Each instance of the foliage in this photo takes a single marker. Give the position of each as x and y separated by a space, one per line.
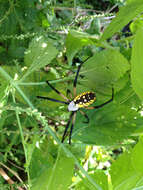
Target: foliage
44 40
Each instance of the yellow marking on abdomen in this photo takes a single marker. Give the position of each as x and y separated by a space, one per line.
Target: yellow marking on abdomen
85 99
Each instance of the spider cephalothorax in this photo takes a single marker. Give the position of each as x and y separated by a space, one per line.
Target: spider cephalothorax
82 100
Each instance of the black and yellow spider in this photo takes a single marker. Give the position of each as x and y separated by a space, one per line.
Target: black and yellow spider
82 100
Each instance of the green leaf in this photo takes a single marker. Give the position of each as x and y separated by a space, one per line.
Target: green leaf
124 16
104 69
39 54
98 176
136 24
137 64
61 174
51 171
74 42
125 174
108 125
136 155
40 156
94 27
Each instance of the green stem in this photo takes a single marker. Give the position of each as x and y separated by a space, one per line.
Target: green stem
24 145
22 137
110 186
42 83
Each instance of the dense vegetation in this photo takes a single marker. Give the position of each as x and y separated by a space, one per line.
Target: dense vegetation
44 40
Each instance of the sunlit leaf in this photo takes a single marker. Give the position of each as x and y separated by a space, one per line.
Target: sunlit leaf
61 174
74 42
136 155
51 171
104 69
137 64
136 24
123 171
98 176
124 16
39 54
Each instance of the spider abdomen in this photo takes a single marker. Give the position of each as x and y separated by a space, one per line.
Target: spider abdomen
84 99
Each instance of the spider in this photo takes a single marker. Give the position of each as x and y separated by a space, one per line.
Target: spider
77 102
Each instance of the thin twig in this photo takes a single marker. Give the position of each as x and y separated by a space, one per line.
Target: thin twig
78 9
112 8
13 172
8 179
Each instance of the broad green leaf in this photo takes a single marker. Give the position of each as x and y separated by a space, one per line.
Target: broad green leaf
49 171
137 64
108 125
74 42
125 171
99 177
104 69
39 54
61 174
123 175
124 16
137 162
41 158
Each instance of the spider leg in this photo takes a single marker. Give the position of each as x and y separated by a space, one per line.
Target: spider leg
53 100
76 77
99 106
67 126
72 126
85 115
63 96
75 80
